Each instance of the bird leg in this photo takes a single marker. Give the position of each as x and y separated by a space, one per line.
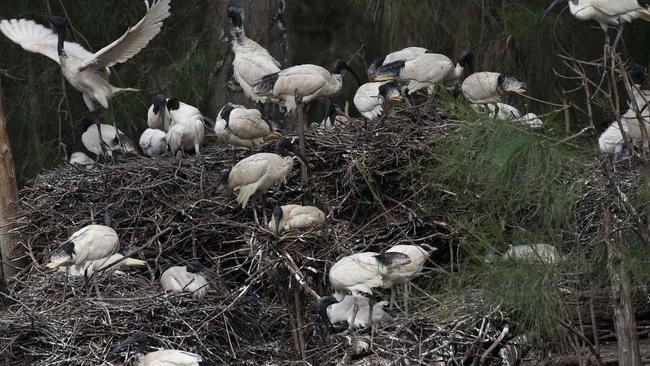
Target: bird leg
371 304
406 298
102 143
263 204
355 310
254 206
392 297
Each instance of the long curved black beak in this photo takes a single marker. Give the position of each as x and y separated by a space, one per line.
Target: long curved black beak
277 216
550 8
120 346
330 111
300 156
161 103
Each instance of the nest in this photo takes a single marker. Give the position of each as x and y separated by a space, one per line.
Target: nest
167 211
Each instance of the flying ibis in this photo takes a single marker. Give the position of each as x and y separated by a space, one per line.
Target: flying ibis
239 126
288 217
187 278
164 357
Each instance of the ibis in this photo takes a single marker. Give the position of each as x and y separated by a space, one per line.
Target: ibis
402 275
187 278
252 61
339 308
289 217
251 177
158 115
310 81
360 273
164 357
370 98
239 126
611 141
531 120
78 158
641 97
153 142
489 87
499 111
332 116
87 244
114 262
114 140
545 253
85 71
405 54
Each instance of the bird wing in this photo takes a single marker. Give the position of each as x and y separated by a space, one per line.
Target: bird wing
250 169
248 124
171 357
146 139
131 42
306 78
251 69
405 54
367 97
36 38
614 8
430 67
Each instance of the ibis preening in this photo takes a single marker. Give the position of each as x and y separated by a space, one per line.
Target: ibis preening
311 82
545 253
290 217
252 61
489 87
113 262
187 278
251 177
164 357
425 71
402 275
405 54
78 158
87 244
370 98
339 308
153 142
361 272
114 140
239 126
158 115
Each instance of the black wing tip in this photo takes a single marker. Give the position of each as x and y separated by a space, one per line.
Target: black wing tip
389 259
266 83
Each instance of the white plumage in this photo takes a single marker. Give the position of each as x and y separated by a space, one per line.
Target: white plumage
90 139
85 71
488 87
239 126
402 275
183 137
185 279
343 311
158 115
289 217
605 12
89 243
81 159
611 141
89 267
544 253
405 54
252 61
165 357
500 111
153 143
370 97
531 120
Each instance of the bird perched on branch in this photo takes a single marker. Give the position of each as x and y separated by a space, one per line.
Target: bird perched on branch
114 140
290 217
164 357
252 176
310 81
252 61
239 126
403 275
187 278
85 71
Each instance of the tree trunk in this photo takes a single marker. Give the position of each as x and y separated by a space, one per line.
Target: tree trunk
624 320
8 193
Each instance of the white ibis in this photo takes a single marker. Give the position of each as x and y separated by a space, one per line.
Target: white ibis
339 308
370 98
158 115
499 111
545 253
641 97
611 141
186 278
164 357
85 71
311 82
89 267
361 272
531 120
183 137
239 126
78 158
89 243
113 139
252 61
418 255
153 143
425 71
405 54
489 87
251 177
289 217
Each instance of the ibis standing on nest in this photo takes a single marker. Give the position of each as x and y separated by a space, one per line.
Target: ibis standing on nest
252 61
187 131
360 273
310 81
158 115
405 54
370 98
85 71
253 176
418 254
164 357
239 126
489 88
187 278
290 217
114 140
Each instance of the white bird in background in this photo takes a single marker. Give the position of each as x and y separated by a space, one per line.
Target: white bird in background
361 272
239 126
311 81
499 111
251 177
611 141
89 243
78 158
186 278
289 217
158 115
89 267
91 141
531 120
425 71
164 357
641 97
489 87
153 142
418 255
370 98
187 131
340 308
405 54
85 71
545 253
252 61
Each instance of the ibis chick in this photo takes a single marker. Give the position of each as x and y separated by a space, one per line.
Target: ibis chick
186 278
78 158
153 142
489 87
545 253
